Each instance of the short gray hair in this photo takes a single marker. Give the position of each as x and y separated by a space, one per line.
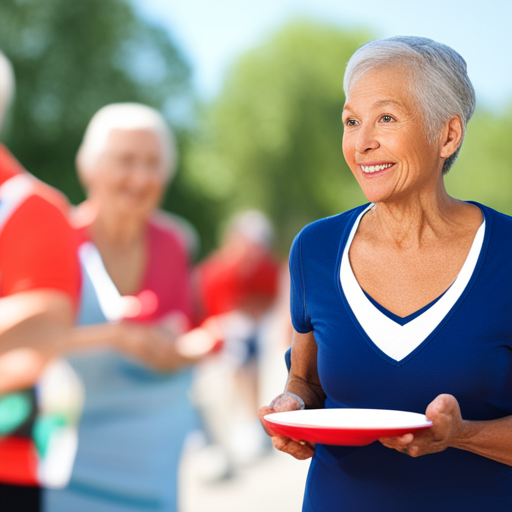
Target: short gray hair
125 116
6 85
441 82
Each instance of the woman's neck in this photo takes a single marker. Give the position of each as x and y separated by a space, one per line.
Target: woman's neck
113 229
411 221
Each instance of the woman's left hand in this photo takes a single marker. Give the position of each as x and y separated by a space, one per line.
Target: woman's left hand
447 427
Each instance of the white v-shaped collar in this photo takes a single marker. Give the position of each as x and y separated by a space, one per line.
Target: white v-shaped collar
395 340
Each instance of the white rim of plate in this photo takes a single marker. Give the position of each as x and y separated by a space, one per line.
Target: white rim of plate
421 422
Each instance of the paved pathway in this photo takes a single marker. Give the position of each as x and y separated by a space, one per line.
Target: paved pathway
274 483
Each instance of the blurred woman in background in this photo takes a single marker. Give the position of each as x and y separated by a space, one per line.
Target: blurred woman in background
137 413
237 286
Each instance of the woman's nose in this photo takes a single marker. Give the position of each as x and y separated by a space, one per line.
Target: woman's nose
138 175
142 174
366 139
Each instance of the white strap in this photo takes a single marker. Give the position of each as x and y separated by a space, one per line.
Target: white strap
395 340
109 298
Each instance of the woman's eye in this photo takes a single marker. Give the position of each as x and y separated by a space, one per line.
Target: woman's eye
386 119
350 122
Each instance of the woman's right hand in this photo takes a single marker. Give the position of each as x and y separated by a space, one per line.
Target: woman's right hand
301 450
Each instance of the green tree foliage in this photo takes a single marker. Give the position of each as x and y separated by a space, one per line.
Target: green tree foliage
272 140
483 171
73 57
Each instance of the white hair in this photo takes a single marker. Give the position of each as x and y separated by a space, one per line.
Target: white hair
125 116
439 77
252 225
6 85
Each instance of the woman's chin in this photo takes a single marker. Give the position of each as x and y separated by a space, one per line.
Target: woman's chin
377 196
374 190
132 211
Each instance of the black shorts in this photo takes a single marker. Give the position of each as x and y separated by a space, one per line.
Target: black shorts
20 498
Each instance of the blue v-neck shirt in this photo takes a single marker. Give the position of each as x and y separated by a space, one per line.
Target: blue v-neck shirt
468 355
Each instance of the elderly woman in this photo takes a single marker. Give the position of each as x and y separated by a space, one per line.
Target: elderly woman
401 303
136 412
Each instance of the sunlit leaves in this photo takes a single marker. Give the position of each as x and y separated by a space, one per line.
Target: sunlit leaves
272 140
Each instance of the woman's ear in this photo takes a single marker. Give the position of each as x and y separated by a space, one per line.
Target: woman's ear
452 136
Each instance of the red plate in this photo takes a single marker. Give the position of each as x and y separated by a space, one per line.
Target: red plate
346 427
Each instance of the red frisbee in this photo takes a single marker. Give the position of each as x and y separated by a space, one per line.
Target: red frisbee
345 427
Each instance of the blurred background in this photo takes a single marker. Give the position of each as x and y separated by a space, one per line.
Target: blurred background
253 91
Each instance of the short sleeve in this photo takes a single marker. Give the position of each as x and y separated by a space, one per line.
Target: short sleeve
300 318
168 274
38 249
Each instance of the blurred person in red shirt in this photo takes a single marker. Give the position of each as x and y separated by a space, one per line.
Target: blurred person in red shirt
242 274
237 287
39 289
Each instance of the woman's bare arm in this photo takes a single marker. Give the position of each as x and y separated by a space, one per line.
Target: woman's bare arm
303 379
303 382
491 439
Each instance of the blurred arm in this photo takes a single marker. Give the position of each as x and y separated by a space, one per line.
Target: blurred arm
40 284
162 350
33 328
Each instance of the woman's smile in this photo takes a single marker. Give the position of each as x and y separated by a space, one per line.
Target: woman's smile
374 169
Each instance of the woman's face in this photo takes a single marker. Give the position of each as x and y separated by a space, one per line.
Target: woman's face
130 173
384 139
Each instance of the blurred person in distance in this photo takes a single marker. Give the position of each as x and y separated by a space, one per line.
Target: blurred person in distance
136 413
39 291
237 286
242 274
404 303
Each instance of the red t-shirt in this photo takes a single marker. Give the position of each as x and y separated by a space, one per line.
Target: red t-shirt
226 284
38 248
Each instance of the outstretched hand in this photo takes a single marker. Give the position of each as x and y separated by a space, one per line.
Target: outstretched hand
301 450
447 426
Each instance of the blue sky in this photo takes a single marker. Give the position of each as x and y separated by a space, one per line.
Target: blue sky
213 33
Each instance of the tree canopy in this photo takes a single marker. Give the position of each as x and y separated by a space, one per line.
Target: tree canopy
483 171
71 58
272 139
